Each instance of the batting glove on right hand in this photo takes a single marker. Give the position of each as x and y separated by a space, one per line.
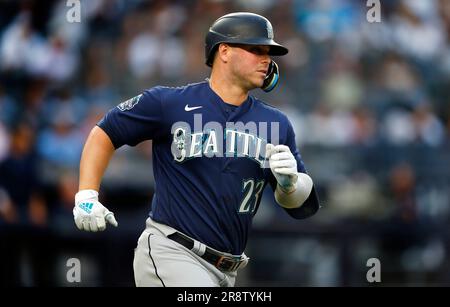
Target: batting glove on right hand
283 165
89 214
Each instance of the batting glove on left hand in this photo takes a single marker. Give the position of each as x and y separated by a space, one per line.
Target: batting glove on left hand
283 165
89 213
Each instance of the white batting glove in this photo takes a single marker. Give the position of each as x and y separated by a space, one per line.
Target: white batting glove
89 214
283 166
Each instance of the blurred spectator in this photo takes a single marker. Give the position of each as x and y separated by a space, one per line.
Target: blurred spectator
414 35
399 128
365 126
402 182
98 88
33 102
421 126
62 142
325 19
74 33
328 128
8 211
397 76
164 52
164 56
17 41
401 230
63 104
61 215
410 240
342 87
22 195
59 63
429 129
357 196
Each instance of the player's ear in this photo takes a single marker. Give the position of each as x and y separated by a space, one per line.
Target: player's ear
223 52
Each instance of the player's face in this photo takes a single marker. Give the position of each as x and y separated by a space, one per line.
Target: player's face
250 64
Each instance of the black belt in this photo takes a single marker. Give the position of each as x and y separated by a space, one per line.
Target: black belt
222 262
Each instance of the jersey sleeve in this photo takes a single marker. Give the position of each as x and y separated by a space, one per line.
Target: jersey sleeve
135 120
311 204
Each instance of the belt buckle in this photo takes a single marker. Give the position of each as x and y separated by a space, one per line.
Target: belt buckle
223 259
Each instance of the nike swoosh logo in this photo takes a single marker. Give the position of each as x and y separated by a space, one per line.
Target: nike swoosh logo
187 108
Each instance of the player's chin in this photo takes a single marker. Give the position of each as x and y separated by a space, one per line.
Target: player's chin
258 81
255 81
254 85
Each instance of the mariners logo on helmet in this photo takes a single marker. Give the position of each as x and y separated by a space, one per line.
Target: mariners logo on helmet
269 31
129 104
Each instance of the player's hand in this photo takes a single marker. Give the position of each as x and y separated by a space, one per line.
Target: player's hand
89 214
283 165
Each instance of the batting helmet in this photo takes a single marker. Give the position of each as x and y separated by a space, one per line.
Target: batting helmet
241 28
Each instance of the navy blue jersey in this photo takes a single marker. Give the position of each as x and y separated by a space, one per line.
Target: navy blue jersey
208 159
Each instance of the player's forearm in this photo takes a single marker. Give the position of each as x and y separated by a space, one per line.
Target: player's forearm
296 198
95 158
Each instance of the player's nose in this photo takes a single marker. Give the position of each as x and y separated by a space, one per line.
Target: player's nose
265 59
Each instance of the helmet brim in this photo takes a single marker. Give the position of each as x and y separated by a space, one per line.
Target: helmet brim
275 48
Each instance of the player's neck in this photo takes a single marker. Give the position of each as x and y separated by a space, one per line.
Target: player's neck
227 91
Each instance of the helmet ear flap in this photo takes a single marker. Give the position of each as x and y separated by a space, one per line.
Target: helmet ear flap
272 77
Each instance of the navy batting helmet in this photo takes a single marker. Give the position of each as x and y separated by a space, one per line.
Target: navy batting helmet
241 28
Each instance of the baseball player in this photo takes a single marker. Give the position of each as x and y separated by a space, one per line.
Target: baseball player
215 148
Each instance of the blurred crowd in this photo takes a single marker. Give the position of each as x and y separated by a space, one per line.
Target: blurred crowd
368 101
